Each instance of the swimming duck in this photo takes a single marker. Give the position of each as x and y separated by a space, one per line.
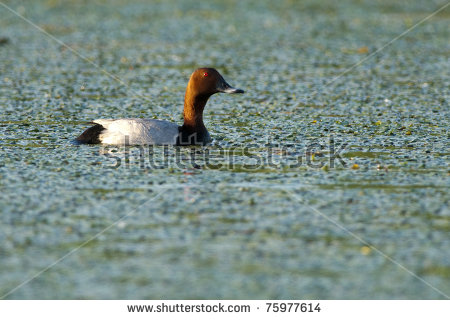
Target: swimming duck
203 83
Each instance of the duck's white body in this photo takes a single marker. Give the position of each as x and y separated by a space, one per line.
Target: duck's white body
135 131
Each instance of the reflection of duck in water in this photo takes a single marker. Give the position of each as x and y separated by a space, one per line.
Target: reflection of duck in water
3 41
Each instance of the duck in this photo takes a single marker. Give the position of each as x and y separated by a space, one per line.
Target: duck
203 83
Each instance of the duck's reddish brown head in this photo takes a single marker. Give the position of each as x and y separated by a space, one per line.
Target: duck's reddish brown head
204 82
208 81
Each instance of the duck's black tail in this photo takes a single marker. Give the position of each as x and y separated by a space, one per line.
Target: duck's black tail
91 135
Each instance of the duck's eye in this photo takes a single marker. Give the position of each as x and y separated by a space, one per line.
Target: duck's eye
205 74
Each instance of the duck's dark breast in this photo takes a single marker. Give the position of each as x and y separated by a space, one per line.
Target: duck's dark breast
189 137
91 135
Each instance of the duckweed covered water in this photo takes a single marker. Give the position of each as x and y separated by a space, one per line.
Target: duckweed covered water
274 231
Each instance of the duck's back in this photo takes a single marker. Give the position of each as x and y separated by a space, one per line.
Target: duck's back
131 131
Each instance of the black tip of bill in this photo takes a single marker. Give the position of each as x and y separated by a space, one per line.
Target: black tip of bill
233 90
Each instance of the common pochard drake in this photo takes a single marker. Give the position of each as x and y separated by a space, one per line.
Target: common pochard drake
203 83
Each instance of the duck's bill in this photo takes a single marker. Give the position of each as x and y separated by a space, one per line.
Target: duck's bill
226 88
233 90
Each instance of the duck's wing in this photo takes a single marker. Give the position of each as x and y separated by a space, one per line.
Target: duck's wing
133 131
138 131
